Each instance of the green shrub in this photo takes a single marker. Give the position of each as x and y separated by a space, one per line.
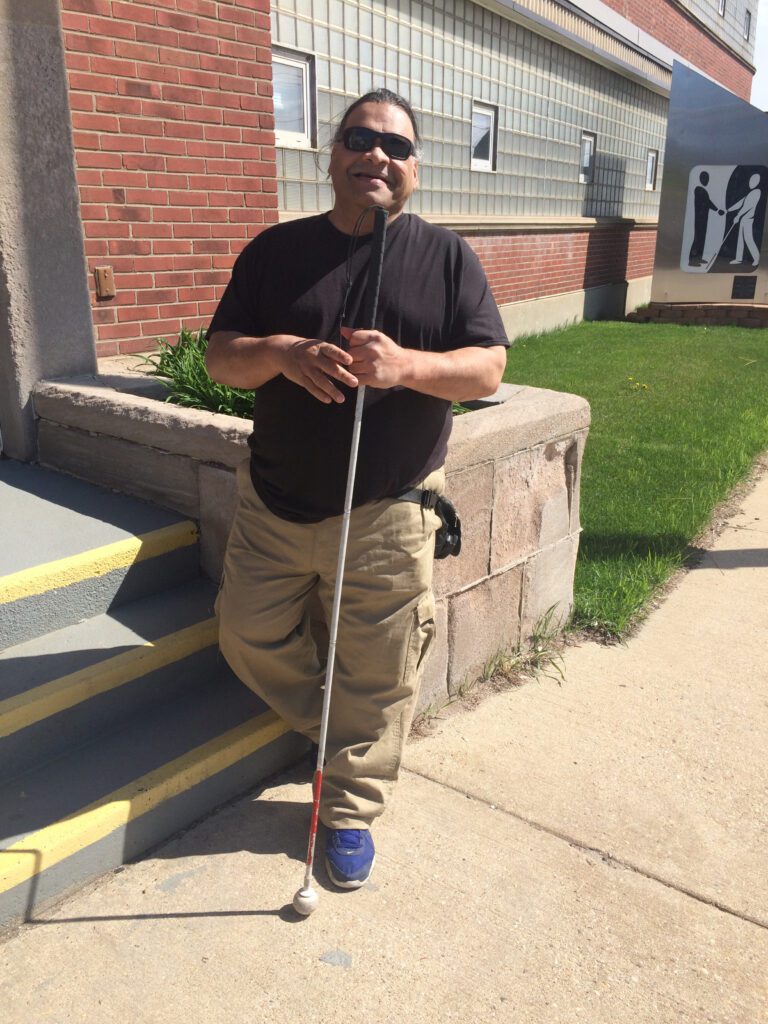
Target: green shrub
181 368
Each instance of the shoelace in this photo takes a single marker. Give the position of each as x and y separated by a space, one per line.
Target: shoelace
348 838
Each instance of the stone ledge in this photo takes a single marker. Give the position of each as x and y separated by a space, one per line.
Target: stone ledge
523 454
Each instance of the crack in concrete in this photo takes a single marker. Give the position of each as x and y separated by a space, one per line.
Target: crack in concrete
607 858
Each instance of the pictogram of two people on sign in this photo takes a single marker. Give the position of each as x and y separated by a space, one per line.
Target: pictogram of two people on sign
724 220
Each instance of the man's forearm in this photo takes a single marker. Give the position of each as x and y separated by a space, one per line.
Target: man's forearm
243 362
459 376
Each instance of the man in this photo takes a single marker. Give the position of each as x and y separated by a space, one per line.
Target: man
747 207
702 204
288 326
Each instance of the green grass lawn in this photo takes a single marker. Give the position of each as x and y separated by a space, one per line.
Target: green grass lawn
678 416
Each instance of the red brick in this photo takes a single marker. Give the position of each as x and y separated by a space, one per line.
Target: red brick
174 279
140 126
205 8
106 160
179 130
136 313
157 328
89 6
122 143
161 73
225 65
182 22
164 180
146 196
202 44
143 162
185 164
176 213
133 12
88 44
142 90
73 21
157 36
130 213
129 247
166 111
91 83
95 247
196 229
91 211
118 105
118 331
152 230
171 147
156 295
181 59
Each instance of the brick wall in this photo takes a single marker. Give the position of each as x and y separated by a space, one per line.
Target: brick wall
174 148
531 266
669 23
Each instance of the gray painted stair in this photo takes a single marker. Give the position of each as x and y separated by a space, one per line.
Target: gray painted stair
120 723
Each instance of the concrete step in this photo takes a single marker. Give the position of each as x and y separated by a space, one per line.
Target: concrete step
63 689
72 550
109 800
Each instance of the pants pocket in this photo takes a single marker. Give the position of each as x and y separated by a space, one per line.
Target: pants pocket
420 640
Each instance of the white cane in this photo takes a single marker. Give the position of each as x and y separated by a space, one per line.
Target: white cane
305 900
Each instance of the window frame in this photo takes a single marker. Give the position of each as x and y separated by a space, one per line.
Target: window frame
747 23
588 177
721 8
487 166
650 181
306 63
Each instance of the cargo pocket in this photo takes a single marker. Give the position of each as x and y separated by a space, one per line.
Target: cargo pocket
420 640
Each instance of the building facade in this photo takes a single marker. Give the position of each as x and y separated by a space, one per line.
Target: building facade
196 123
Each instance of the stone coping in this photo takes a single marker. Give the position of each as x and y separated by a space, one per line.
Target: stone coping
127 406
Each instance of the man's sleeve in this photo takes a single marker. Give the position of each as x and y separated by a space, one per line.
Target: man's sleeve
477 320
236 310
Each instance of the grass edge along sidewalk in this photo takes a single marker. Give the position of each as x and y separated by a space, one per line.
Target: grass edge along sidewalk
679 416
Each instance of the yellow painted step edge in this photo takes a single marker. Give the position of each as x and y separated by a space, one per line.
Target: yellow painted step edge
97 562
53 844
50 698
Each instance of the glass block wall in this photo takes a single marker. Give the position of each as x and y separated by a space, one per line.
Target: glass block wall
441 56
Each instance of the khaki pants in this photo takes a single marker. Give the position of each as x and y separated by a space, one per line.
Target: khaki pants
276 573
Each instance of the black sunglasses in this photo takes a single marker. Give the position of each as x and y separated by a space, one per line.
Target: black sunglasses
361 140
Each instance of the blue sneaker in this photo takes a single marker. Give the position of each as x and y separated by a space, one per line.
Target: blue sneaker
349 856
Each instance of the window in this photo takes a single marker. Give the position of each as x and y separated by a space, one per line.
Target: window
483 152
747 23
650 170
293 83
587 168
721 8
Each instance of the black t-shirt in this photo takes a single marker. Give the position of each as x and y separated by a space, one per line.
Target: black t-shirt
292 279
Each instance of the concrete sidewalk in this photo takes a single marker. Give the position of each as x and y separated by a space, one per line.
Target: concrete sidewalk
587 850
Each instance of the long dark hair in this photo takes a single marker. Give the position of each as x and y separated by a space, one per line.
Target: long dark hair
382 96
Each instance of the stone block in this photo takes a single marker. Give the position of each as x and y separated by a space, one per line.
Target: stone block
434 683
532 416
167 480
218 500
548 584
471 492
483 621
204 436
532 502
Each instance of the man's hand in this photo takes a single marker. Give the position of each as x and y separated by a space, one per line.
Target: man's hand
314 365
245 362
377 360
459 375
